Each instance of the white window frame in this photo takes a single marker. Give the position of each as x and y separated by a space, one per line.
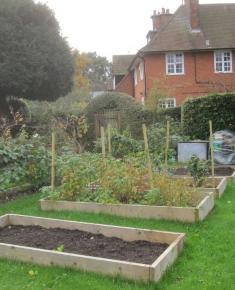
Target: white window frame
174 63
164 101
141 69
222 52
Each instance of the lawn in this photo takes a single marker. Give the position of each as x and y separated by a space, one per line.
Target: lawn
207 262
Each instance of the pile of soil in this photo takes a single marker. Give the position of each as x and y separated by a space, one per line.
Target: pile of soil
83 243
219 171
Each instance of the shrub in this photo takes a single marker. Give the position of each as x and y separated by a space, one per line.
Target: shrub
131 114
172 113
198 169
172 192
77 172
157 139
123 182
24 160
219 108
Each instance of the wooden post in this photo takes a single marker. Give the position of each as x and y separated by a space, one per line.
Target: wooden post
103 141
146 147
212 153
53 161
167 142
109 139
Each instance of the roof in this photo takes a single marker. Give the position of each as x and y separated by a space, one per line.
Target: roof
217 24
121 63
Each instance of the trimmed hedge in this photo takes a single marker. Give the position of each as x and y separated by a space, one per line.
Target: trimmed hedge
220 108
173 113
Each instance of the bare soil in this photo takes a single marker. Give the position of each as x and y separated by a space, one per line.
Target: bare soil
83 243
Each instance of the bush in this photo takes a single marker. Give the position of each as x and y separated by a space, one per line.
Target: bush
172 113
219 108
132 114
198 170
23 161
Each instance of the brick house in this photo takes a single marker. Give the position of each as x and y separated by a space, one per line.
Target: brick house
189 53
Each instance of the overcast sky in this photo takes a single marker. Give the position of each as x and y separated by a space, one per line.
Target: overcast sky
109 27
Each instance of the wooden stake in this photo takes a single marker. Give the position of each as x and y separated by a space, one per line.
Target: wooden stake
103 141
109 139
167 143
53 161
212 153
146 147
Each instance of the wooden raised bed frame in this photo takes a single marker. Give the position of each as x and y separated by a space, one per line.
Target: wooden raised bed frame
183 214
125 269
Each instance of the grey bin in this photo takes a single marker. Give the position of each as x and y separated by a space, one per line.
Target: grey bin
187 149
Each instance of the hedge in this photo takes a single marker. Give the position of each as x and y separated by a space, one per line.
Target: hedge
173 113
132 114
220 108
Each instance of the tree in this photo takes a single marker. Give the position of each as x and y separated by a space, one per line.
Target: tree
35 60
91 70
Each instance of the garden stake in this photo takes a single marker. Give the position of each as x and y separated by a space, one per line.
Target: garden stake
109 139
167 142
53 160
146 146
212 153
103 141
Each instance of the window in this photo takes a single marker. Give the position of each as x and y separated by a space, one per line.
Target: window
223 61
136 77
175 63
167 103
141 68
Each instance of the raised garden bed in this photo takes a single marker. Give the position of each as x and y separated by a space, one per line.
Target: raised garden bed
208 186
221 171
34 239
13 193
184 214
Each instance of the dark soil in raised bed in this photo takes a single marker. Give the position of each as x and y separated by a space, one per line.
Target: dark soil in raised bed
219 171
83 243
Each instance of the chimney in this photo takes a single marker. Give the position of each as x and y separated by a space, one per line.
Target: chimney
160 19
192 7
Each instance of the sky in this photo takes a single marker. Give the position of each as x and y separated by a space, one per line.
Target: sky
109 27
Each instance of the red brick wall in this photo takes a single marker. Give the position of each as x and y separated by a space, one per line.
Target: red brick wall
126 85
199 77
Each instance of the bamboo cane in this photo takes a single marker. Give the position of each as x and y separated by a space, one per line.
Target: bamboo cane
212 153
109 139
147 153
103 141
53 160
167 143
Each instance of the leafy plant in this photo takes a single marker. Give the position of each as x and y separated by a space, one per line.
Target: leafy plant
60 249
197 112
198 170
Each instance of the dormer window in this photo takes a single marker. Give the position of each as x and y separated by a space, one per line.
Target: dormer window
175 63
223 61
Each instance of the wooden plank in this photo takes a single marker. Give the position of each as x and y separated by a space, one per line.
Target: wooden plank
184 214
135 271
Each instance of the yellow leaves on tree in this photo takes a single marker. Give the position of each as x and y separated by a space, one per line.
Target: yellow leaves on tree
82 61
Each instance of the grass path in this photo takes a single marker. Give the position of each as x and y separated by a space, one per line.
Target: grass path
207 262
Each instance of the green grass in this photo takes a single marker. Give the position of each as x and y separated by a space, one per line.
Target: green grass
207 261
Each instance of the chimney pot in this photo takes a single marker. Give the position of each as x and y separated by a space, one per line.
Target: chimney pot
154 12
167 11
163 11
